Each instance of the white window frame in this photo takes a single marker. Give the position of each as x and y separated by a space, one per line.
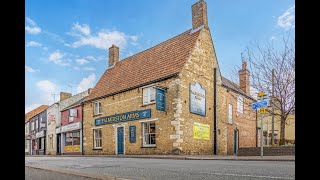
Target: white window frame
95 139
32 126
230 120
149 95
240 104
37 122
99 110
144 134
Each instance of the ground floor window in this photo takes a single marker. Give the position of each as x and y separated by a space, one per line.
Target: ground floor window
97 134
149 134
72 138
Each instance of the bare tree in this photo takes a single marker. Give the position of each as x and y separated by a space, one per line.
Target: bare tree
262 58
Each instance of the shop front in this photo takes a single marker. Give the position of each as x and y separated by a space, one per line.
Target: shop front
71 138
41 142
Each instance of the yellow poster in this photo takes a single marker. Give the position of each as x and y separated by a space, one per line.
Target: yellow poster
74 148
201 131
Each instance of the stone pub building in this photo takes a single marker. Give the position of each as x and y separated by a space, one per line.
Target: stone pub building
169 99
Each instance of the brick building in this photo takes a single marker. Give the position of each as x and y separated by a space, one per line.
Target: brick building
54 138
71 128
168 99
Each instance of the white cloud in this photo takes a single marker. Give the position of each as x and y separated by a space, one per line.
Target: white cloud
129 54
91 58
84 29
76 68
102 40
86 83
29 69
33 30
82 61
32 27
30 21
45 48
273 38
287 19
31 107
46 88
89 69
54 36
56 57
33 44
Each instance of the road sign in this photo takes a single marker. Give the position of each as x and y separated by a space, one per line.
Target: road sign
262 110
260 94
260 104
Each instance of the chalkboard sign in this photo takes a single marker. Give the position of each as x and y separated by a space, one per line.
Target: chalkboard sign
132 134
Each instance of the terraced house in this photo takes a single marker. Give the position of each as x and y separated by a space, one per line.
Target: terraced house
169 99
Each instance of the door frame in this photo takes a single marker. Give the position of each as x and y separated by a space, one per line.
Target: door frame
116 138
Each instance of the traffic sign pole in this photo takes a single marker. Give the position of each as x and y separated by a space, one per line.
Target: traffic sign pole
261 137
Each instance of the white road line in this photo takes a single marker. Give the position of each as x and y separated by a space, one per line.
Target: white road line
245 175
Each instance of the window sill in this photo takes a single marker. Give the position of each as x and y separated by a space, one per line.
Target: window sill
97 114
147 104
148 146
97 149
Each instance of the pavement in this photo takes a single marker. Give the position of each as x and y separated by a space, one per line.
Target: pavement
102 167
186 157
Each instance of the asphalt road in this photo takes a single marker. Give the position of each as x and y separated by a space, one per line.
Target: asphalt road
135 168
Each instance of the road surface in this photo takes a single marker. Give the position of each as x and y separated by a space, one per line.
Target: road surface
158 169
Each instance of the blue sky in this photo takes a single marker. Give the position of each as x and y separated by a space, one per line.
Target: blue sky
67 42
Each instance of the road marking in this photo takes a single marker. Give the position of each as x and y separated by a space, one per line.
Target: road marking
76 173
246 175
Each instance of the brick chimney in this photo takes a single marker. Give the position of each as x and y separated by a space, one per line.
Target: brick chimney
113 55
199 15
244 78
64 95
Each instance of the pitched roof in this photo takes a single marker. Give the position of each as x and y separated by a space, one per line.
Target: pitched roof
235 87
75 104
34 112
158 62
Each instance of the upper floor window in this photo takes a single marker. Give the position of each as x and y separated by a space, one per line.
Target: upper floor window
26 128
36 124
97 108
149 95
240 104
230 114
32 126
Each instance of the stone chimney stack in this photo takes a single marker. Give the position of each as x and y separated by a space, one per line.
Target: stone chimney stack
113 55
199 15
244 76
64 95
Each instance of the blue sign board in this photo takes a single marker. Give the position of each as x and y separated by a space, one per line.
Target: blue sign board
160 99
197 99
260 104
128 116
132 134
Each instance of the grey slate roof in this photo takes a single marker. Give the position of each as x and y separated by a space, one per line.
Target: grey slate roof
74 104
233 86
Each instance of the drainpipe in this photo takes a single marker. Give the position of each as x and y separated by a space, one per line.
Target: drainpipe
82 104
215 143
